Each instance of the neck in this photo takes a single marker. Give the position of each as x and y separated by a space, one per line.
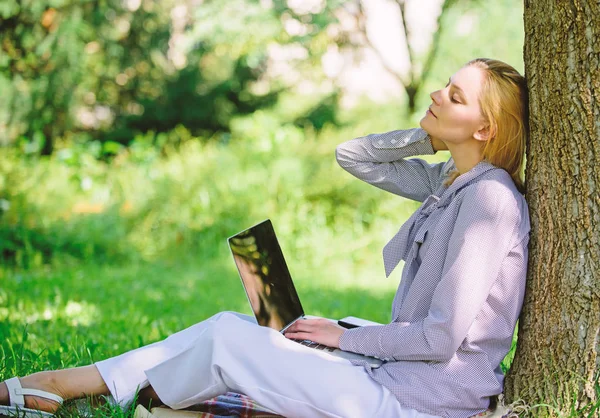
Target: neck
466 155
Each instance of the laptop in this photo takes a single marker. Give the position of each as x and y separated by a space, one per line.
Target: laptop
269 287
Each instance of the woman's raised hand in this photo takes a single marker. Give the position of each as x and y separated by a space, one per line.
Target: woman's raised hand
319 330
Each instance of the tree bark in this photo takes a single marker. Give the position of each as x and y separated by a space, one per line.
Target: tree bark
557 359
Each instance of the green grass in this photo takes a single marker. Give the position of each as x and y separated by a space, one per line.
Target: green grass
99 258
84 313
105 310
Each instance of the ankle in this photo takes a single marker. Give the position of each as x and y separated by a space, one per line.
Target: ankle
45 381
3 394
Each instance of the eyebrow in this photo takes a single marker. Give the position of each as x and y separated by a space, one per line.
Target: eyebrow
457 88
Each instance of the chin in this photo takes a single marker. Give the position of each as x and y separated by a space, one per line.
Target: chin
423 124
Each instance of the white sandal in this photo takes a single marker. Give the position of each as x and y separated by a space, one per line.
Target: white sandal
16 398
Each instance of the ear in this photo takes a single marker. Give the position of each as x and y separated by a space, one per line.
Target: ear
482 134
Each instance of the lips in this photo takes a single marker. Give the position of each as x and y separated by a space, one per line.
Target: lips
431 111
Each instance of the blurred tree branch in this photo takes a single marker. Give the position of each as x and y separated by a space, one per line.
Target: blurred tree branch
414 80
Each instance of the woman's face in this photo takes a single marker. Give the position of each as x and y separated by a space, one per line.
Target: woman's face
455 115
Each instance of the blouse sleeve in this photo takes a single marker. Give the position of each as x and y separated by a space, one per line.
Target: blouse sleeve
488 238
380 160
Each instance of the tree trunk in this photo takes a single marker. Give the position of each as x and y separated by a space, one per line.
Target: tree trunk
557 359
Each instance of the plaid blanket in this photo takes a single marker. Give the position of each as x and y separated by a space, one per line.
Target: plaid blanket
229 405
235 405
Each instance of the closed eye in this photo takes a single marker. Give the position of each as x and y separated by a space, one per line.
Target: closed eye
452 99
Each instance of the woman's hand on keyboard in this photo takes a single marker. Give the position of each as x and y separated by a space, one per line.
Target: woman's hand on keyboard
319 330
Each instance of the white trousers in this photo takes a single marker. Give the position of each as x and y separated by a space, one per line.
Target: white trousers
230 352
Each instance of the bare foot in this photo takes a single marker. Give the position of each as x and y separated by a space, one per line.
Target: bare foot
42 381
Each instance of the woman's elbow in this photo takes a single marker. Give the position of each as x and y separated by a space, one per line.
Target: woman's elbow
444 353
443 346
342 155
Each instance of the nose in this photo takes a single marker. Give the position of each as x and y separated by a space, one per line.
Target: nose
435 97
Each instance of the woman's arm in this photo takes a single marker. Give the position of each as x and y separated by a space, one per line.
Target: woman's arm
488 240
380 159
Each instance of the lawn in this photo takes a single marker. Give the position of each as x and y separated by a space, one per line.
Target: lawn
103 257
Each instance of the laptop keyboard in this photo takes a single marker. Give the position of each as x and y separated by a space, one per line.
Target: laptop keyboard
316 346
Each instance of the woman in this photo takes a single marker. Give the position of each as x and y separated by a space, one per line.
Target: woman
453 317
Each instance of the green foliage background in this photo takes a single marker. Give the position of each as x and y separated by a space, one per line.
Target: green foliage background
113 233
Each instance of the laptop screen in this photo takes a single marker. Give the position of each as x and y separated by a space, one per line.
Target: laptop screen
265 276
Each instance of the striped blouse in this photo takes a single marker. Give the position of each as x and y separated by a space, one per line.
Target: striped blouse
462 285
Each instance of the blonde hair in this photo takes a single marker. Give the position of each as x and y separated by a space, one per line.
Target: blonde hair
505 106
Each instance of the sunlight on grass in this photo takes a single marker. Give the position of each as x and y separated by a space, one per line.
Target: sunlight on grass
74 313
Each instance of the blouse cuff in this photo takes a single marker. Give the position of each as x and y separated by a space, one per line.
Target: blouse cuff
416 139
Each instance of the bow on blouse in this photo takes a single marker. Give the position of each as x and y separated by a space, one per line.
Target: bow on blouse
400 246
